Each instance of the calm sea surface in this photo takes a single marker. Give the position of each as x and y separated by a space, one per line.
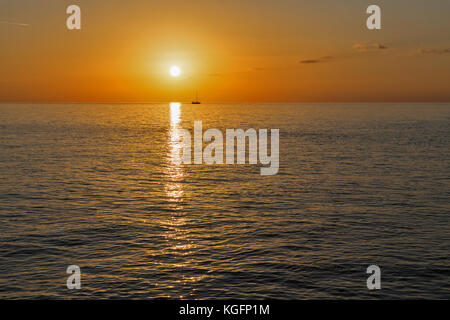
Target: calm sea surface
94 185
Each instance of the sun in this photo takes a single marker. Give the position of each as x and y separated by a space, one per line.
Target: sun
175 71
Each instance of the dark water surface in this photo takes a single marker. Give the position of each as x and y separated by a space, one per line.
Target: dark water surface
94 185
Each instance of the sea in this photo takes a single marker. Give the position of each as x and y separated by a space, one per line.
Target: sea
95 185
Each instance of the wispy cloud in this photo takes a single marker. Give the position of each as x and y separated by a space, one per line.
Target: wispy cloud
369 47
319 60
421 51
15 23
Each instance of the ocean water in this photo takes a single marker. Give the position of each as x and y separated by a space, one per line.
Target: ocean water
94 185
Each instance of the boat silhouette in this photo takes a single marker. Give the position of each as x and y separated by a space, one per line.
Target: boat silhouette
196 101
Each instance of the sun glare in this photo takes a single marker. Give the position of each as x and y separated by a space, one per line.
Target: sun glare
175 71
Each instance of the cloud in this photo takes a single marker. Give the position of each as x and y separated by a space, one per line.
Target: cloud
15 23
310 61
368 47
421 51
319 60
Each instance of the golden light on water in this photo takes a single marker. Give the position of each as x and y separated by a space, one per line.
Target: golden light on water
175 143
174 171
177 232
175 115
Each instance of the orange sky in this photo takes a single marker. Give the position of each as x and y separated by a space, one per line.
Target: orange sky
230 51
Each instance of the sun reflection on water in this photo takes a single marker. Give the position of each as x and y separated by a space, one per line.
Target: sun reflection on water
174 171
179 245
175 113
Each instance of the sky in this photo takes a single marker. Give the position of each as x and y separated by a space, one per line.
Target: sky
228 51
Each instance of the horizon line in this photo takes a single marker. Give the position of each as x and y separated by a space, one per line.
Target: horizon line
211 102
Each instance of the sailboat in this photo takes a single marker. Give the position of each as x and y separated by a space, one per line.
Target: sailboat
196 99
